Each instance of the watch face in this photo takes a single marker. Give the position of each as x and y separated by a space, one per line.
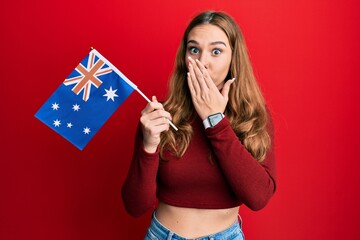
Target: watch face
215 119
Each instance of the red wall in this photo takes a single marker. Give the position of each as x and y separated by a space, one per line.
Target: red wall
305 55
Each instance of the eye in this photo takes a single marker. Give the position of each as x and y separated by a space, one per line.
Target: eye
216 51
194 50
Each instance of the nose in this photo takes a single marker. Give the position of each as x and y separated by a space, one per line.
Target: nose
204 60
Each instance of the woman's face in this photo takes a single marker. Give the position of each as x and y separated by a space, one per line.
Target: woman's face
210 45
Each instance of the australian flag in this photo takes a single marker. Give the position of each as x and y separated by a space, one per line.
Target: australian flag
86 99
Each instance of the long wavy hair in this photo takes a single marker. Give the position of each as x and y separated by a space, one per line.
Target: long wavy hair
245 110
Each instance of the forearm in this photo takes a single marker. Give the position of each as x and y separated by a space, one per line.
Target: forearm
252 182
139 188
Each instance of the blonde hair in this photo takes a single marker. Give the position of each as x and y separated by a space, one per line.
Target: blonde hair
246 109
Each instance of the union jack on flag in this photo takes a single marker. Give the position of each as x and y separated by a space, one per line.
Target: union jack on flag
86 99
88 76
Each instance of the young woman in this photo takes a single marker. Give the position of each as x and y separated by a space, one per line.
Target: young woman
221 157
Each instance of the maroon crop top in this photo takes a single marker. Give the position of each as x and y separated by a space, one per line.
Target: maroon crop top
233 177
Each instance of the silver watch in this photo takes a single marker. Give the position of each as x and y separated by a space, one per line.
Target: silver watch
213 119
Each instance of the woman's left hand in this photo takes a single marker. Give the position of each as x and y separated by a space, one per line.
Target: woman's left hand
206 97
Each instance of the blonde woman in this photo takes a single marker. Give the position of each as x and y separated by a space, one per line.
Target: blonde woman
195 179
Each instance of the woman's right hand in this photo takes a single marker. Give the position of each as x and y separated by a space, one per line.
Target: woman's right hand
154 120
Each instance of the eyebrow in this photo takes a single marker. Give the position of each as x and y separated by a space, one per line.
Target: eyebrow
212 43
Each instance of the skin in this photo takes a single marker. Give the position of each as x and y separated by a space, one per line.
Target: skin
208 58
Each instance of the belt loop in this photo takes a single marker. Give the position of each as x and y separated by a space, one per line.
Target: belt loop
169 237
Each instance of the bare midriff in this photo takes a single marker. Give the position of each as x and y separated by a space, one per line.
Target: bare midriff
194 222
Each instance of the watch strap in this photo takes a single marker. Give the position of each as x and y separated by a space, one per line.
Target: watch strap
206 121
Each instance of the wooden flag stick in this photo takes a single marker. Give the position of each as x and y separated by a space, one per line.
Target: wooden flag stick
135 87
148 100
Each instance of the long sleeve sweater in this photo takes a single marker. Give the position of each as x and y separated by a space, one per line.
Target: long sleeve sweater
215 172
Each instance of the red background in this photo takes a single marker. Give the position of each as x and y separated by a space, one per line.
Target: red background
305 56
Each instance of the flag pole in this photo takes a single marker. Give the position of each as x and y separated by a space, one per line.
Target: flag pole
129 82
148 100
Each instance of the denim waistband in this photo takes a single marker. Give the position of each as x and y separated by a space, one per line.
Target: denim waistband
163 233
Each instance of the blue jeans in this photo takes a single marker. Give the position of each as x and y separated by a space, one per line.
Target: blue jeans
157 231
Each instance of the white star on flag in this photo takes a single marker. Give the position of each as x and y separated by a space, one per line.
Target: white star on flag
110 94
55 106
76 107
86 130
57 123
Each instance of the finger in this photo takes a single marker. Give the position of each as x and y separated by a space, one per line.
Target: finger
155 104
207 79
159 121
196 69
193 79
156 126
150 122
190 84
152 106
226 89
154 99
152 133
162 127
159 113
199 75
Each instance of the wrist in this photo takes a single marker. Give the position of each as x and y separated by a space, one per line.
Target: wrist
149 148
212 120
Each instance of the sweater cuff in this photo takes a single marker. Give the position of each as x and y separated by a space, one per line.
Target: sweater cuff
148 156
221 126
